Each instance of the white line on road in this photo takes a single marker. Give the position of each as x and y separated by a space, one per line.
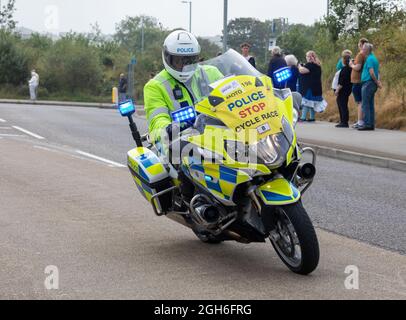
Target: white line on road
115 164
43 148
2 121
10 135
29 133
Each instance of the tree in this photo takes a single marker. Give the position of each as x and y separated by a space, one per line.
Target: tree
39 42
209 49
298 40
72 65
35 47
7 14
258 34
253 31
108 48
13 60
129 33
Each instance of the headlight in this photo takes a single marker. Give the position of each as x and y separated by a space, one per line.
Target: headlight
270 151
273 149
266 151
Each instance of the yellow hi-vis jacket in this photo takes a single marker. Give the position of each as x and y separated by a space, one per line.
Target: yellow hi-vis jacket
160 99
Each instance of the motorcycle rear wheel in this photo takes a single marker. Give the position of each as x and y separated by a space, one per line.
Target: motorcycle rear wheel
294 239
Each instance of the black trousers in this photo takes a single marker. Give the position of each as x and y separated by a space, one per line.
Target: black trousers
342 102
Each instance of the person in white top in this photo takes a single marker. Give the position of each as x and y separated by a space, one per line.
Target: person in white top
245 51
33 84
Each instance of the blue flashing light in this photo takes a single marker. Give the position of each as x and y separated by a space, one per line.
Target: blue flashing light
126 108
283 74
187 114
208 178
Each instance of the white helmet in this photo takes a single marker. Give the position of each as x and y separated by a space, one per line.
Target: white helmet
180 55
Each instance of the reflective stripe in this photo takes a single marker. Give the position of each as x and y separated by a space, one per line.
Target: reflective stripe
169 89
159 111
159 78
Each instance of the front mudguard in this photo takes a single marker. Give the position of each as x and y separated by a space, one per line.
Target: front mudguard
279 192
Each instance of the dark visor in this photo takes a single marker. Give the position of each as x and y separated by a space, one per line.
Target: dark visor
179 62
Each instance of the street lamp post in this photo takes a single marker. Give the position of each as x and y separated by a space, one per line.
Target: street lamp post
328 8
190 14
225 27
142 35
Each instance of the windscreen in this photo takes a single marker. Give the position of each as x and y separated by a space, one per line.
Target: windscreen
211 73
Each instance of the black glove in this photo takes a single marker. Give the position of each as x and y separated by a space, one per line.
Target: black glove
171 129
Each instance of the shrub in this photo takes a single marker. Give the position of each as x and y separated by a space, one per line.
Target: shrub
71 66
13 60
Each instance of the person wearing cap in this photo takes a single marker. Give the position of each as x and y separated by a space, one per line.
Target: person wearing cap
245 51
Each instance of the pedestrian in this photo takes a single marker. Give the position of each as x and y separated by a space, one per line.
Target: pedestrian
343 93
339 67
33 84
292 63
357 66
311 87
340 64
122 88
370 85
277 62
245 51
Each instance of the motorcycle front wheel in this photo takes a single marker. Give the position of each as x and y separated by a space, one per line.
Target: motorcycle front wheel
295 239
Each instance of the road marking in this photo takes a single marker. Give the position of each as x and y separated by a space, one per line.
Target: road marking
92 156
43 148
10 135
29 133
3 121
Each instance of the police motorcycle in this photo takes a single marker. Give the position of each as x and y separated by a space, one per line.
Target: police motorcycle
241 172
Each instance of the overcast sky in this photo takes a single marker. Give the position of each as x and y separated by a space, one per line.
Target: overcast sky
77 15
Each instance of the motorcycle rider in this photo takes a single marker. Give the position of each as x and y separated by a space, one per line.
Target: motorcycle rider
181 84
